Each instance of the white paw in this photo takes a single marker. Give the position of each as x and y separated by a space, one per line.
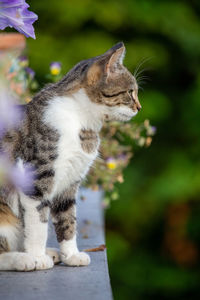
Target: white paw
54 254
77 259
43 262
23 262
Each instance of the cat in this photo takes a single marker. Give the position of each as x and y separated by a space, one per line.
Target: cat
58 137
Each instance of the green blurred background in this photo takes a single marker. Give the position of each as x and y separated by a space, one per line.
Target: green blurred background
153 230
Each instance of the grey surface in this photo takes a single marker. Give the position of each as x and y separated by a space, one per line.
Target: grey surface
62 282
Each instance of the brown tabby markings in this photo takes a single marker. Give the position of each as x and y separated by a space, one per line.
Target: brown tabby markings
43 210
6 216
64 214
6 219
35 143
89 140
106 82
4 247
65 224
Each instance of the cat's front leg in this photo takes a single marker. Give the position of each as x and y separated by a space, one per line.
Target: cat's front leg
64 218
35 222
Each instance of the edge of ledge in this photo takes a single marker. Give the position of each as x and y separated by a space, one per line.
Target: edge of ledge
61 282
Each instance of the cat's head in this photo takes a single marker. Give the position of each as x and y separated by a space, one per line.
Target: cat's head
108 83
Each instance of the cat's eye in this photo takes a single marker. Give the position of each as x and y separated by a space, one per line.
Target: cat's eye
112 95
130 92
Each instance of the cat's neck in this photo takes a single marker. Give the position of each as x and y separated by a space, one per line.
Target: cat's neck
74 109
90 113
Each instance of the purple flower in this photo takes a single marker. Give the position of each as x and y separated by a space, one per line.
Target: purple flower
14 13
30 72
154 129
55 68
20 175
122 157
23 61
111 163
9 114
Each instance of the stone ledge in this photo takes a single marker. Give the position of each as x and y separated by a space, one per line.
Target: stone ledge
62 282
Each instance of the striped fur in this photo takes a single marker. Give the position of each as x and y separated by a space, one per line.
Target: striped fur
58 140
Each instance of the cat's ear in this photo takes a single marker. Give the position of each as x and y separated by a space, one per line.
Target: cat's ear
94 74
116 58
106 64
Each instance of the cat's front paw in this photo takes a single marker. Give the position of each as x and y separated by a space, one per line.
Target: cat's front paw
77 259
43 262
22 262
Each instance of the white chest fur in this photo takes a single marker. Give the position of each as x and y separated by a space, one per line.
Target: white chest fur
69 115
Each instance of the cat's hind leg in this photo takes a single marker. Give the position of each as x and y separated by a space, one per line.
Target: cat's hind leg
10 230
10 242
16 261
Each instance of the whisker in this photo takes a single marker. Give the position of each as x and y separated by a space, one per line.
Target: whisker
140 88
142 82
141 72
144 60
143 77
139 65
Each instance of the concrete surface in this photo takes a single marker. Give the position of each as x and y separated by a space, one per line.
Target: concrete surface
62 282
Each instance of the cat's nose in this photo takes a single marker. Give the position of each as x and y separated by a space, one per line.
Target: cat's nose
139 107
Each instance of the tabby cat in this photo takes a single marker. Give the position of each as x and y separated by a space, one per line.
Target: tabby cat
58 137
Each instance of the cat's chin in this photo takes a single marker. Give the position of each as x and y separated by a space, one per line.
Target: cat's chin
122 117
125 117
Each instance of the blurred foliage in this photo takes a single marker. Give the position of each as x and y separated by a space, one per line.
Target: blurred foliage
18 77
116 150
153 231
